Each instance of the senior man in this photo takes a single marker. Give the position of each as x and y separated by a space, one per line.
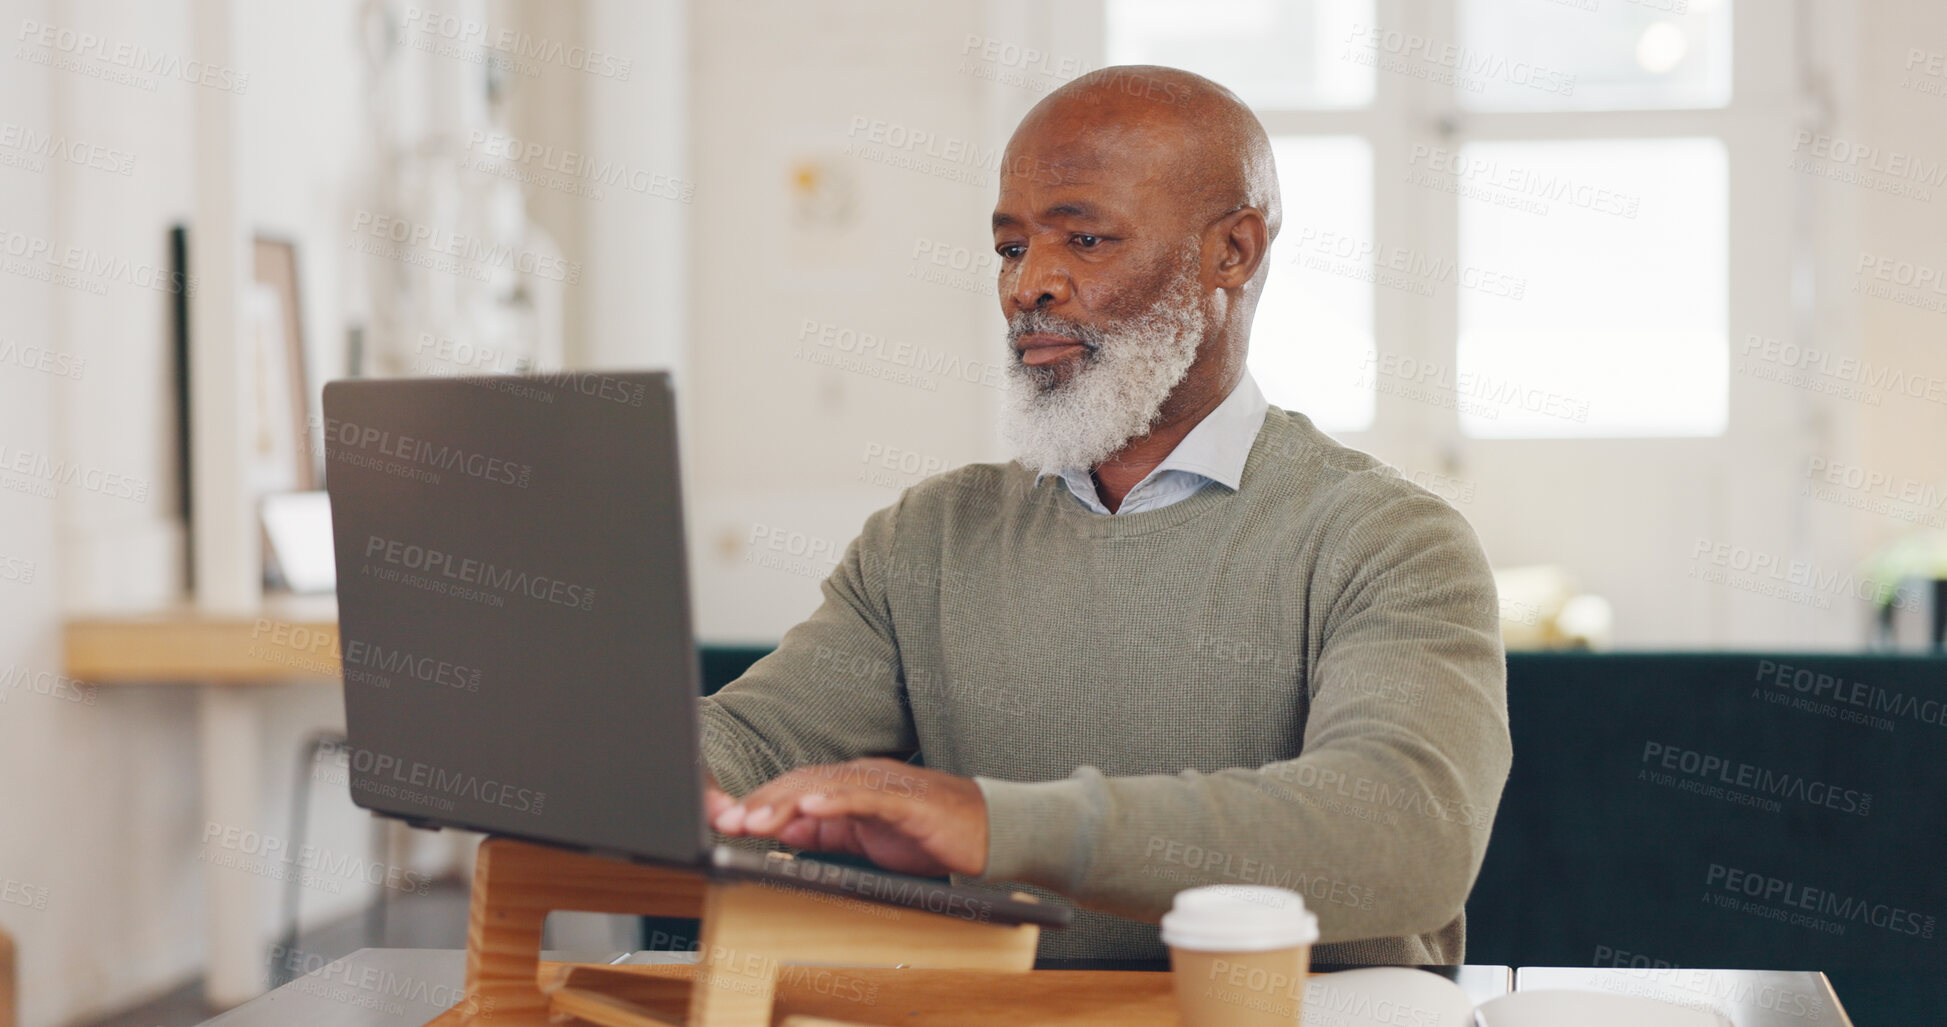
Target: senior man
1185 638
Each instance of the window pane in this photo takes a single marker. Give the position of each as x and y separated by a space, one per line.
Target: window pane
1311 342
1593 54
1621 328
1271 53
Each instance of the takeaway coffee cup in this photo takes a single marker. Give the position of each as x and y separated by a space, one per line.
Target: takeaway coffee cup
1239 955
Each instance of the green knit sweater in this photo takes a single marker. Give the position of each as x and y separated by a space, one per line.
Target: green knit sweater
1299 683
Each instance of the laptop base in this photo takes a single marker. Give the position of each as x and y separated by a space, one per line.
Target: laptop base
751 929
842 882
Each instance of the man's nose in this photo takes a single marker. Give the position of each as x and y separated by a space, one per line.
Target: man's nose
1040 280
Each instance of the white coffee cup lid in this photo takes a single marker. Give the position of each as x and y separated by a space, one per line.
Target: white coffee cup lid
1238 918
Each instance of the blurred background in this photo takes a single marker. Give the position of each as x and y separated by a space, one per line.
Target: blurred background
1653 291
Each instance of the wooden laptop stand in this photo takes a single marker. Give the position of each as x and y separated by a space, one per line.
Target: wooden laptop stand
750 929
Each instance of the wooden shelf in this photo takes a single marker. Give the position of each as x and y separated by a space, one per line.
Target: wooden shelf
291 639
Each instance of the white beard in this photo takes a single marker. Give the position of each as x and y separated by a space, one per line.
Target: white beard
1115 395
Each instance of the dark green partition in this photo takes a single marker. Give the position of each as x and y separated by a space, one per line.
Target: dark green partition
1653 794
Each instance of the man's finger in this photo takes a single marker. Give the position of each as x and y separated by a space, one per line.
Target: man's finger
715 800
807 833
869 803
773 817
748 817
776 803
769 819
738 816
779 792
841 836
814 834
767 815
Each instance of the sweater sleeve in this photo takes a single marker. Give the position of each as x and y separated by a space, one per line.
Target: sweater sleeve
830 692
1381 821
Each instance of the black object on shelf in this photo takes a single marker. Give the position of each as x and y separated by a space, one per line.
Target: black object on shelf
179 320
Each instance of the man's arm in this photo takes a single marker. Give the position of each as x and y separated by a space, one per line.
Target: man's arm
830 692
1383 819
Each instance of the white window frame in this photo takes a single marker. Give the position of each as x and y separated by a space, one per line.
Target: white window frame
1407 111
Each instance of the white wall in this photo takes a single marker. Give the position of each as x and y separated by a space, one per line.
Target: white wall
29 593
1899 104
633 298
779 443
85 785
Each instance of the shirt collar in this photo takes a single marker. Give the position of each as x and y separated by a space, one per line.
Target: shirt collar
1216 448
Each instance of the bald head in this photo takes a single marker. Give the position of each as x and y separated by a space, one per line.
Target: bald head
1195 132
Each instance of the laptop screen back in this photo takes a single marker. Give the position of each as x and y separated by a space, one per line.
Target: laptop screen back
513 608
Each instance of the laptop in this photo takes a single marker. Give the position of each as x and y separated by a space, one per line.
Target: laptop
514 626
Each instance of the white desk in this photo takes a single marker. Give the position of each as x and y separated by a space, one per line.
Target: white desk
407 987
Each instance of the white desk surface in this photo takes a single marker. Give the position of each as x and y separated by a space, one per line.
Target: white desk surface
407 987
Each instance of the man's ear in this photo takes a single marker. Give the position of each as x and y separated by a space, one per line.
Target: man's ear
1243 241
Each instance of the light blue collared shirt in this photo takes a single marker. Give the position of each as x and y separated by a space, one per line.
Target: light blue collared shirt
1213 452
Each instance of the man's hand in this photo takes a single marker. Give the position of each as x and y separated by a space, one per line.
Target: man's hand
899 816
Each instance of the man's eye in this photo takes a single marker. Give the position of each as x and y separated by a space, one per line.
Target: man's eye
1010 251
1087 241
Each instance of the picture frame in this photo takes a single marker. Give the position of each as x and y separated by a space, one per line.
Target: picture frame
281 457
